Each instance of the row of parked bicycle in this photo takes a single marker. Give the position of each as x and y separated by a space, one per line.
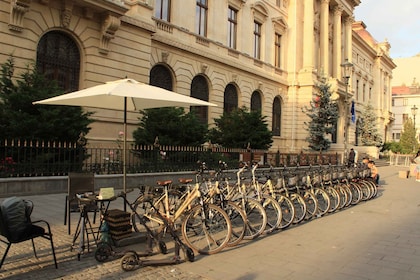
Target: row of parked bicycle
214 210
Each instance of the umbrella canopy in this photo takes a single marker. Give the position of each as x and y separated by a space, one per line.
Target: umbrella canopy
124 95
111 95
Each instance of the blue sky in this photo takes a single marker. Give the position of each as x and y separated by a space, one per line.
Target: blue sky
398 21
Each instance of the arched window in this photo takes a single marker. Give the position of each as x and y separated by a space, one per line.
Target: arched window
230 101
276 125
200 90
160 76
256 101
58 58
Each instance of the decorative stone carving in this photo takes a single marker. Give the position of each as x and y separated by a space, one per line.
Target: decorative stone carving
204 67
165 56
17 13
109 26
235 78
66 18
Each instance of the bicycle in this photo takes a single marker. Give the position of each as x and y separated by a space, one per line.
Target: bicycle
285 203
290 191
104 249
206 227
271 206
256 218
214 185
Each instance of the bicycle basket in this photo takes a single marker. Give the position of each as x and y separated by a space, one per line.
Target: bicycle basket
292 181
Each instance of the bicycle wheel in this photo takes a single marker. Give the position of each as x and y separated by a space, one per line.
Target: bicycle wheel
299 206
366 191
256 218
145 214
356 193
206 229
237 219
311 204
323 201
334 198
273 211
345 195
373 188
348 192
287 211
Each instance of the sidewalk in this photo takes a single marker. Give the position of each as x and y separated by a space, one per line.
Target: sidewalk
378 239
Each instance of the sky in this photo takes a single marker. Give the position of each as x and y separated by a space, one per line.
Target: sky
397 21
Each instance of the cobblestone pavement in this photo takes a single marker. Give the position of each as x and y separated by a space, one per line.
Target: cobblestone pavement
378 239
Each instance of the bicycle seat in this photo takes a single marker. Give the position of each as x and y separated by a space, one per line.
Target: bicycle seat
164 183
184 180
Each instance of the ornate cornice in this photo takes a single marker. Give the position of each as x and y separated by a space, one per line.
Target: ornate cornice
18 10
110 25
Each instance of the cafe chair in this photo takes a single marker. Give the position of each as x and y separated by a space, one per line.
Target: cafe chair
78 183
16 225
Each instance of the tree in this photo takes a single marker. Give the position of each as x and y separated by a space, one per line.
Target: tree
241 128
323 114
20 119
172 126
408 140
369 134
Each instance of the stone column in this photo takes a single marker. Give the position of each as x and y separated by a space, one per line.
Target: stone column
337 39
308 35
324 36
348 38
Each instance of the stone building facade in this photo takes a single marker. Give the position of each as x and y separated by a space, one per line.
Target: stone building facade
266 55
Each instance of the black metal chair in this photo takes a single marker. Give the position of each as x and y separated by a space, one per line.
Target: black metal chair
16 225
78 183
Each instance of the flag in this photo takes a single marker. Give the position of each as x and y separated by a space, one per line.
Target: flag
353 113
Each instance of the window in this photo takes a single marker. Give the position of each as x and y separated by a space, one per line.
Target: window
230 101
277 48
200 90
278 3
364 92
232 27
256 101
163 9
58 58
404 118
201 17
276 123
405 101
357 89
257 40
160 76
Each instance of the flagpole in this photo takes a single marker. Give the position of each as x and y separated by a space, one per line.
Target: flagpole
125 149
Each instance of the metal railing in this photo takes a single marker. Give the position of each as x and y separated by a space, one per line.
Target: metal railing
33 158
401 160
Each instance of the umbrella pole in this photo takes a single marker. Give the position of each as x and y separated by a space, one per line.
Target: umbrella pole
125 151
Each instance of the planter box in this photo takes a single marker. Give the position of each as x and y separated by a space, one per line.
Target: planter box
403 174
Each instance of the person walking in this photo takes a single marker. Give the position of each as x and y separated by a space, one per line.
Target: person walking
416 160
352 156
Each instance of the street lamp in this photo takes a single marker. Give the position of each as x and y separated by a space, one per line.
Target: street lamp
414 112
347 69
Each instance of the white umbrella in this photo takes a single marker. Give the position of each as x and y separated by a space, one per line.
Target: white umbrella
125 95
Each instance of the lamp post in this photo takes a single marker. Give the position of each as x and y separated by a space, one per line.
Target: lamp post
347 68
414 113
